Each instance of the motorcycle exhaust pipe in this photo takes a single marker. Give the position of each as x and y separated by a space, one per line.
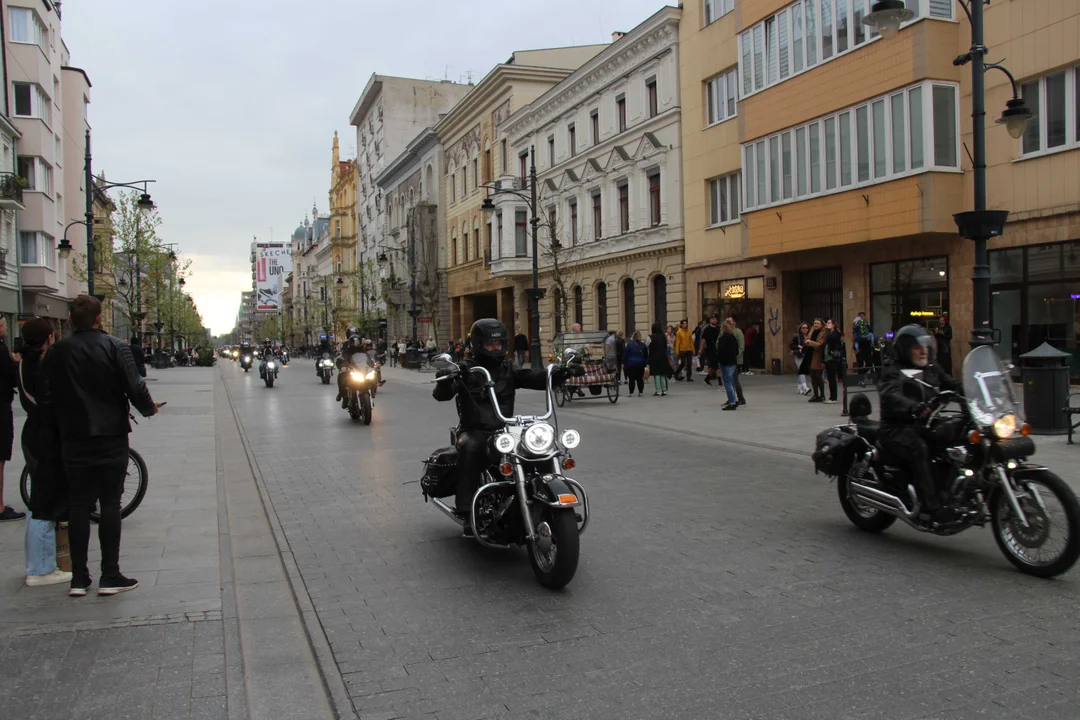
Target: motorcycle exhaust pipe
884 501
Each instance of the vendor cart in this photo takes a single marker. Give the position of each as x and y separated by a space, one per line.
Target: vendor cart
598 358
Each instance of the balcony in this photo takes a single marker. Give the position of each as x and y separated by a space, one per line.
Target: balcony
510 266
38 278
11 191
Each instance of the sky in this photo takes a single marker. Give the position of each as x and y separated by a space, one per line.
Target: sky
231 107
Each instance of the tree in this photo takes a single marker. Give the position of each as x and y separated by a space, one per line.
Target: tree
559 265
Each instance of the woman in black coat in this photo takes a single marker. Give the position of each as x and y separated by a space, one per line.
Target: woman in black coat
801 354
659 365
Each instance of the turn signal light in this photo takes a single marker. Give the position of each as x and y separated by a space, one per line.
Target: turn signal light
568 499
975 437
569 464
506 469
1025 429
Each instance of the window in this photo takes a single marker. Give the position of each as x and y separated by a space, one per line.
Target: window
453 251
601 306
37 248
523 163
466 249
464 181
826 29
521 239
910 291
453 188
579 305
629 309
573 222
842 26
502 157
796 38
597 216
26 27
499 236
716 9
772 61
654 198
572 135
651 98
720 96
811 33
620 111
876 141
553 234
1055 101
724 200
785 52
476 173
487 166
746 43
551 151
594 123
37 172
31 101
624 207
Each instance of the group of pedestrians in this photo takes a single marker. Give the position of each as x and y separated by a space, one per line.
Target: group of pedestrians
77 394
818 350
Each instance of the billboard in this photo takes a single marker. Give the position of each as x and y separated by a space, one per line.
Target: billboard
272 263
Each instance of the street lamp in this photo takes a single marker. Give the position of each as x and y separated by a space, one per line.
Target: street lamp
979 224
535 293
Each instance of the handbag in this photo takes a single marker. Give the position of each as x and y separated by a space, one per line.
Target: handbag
646 372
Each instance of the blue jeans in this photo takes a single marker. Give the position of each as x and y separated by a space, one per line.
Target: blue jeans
728 373
40 546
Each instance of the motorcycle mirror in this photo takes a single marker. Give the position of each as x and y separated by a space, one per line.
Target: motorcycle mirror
570 355
442 358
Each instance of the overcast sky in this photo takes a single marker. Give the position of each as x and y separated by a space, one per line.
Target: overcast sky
231 106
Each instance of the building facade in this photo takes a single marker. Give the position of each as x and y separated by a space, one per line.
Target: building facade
391 112
474 156
607 143
823 165
413 185
343 183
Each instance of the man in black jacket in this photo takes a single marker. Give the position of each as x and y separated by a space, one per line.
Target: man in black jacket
478 422
906 387
88 382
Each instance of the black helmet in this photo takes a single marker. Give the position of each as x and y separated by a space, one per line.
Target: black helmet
488 331
907 339
352 331
354 341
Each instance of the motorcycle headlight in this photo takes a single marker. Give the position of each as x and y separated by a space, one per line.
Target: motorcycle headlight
371 375
247 358
270 365
1005 427
571 439
357 376
505 443
539 438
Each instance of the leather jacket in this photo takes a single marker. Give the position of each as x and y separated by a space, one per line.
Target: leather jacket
901 394
474 407
88 380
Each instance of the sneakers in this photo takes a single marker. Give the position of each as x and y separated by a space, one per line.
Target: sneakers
742 402
729 406
79 587
56 577
816 399
10 513
656 394
118 584
829 402
631 394
748 372
663 393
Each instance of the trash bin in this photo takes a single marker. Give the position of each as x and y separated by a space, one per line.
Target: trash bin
776 367
1045 371
412 359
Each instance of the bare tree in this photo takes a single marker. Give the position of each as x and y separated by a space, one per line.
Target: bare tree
559 265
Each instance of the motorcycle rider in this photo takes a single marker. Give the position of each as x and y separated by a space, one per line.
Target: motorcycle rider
490 342
267 353
905 408
353 348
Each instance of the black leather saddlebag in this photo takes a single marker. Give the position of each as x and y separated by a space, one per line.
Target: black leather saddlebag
832 451
440 473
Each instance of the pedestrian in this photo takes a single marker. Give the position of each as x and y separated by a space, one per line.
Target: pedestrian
659 365
816 343
673 362
620 353
943 336
697 343
742 353
40 446
635 359
727 358
709 336
862 339
521 347
138 355
8 382
833 355
393 353
89 381
684 350
801 354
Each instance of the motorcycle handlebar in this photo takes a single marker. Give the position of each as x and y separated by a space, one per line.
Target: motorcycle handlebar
490 385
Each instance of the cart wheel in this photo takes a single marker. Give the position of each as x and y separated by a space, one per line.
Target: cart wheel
613 393
560 397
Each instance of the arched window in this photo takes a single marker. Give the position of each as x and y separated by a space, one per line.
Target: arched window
579 306
629 311
428 182
557 309
659 287
601 306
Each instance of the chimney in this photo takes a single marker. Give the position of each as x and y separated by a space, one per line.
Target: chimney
617 36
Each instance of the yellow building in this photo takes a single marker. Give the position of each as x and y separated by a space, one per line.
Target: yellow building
473 156
343 184
823 165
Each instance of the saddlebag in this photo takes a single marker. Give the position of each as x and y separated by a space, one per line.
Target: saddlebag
440 473
832 450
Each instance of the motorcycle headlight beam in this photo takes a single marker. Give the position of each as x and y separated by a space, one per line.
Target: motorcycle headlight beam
505 443
357 376
539 438
270 365
371 375
1005 427
571 439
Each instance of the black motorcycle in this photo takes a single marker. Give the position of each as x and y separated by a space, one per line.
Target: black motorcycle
979 457
360 384
324 366
269 370
524 497
245 361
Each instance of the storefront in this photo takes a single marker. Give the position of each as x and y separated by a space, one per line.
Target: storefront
744 298
1035 298
906 292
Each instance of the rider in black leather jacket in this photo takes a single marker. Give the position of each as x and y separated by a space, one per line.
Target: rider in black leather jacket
905 408
489 342
353 354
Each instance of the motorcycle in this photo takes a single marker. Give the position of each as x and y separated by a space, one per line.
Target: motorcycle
284 357
979 457
269 371
245 361
524 497
325 368
360 385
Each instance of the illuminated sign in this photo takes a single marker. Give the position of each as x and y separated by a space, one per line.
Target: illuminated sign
735 291
922 313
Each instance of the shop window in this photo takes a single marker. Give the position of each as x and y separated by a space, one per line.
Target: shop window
911 291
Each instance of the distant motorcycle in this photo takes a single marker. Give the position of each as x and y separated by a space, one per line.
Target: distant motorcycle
360 384
269 371
324 367
245 361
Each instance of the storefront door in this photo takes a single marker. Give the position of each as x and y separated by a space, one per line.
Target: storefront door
822 295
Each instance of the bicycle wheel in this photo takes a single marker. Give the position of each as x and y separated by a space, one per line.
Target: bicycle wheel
135 483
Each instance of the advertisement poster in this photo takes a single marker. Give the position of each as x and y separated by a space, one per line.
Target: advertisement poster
272 263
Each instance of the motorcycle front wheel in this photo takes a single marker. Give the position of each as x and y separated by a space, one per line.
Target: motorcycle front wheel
325 379
554 554
365 409
1050 544
135 483
269 380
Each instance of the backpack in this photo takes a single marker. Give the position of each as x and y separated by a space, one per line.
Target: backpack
833 450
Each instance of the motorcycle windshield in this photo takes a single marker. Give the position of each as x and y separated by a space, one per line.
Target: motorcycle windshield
988 387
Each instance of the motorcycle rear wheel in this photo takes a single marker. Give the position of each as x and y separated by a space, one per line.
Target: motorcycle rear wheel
1020 545
864 518
555 568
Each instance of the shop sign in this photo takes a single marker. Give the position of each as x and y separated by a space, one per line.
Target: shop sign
922 313
735 291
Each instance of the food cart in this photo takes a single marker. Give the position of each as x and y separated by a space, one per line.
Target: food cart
598 358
